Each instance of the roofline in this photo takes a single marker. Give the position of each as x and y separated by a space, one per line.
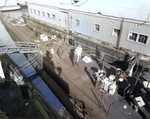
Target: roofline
43 5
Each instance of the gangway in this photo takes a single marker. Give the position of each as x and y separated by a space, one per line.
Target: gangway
19 47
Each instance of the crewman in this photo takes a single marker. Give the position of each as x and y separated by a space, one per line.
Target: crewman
77 55
60 52
48 54
35 32
99 76
101 59
74 59
78 51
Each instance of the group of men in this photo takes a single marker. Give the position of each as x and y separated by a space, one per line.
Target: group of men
120 75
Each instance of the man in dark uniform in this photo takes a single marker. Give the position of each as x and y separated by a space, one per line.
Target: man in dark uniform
60 52
101 59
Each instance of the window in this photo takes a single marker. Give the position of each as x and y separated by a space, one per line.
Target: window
76 1
77 22
34 11
30 10
53 16
116 32
138 37
96 27
43 14
142 39
39 13
48 15
132 36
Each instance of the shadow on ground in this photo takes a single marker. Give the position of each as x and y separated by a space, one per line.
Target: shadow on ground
60 88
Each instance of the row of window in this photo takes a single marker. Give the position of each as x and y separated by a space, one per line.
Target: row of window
136 37
116 32
140 38
48 15
96 26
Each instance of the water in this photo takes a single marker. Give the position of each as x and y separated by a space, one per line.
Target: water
4 36
29 71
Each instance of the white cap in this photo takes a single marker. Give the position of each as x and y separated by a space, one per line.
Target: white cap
112 77
120 79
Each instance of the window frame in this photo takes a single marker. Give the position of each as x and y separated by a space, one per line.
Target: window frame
141 39
95 27
39 13
34 11
76 22
48 15
31 10
132 39
53 16
137 38
43 14
115 32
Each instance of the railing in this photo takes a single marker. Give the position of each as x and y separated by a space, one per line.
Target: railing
21 47
38 103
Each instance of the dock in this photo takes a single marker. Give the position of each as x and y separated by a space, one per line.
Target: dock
76 83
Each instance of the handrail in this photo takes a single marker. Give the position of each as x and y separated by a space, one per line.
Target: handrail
21 47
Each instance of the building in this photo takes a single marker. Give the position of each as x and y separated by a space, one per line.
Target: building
8 2
130 31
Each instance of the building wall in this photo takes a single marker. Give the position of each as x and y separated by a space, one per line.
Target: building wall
87 24
57 20
8 2
84 24
139 29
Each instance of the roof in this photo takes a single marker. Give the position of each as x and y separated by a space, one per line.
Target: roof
8 2
132 9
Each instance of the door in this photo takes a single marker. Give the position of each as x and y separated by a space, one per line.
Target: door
64 20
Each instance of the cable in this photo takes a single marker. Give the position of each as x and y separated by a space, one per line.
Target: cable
74 84
137 79
111 105
78 88
125 90
84 93
28 61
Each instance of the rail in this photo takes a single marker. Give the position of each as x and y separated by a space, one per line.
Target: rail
21 47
